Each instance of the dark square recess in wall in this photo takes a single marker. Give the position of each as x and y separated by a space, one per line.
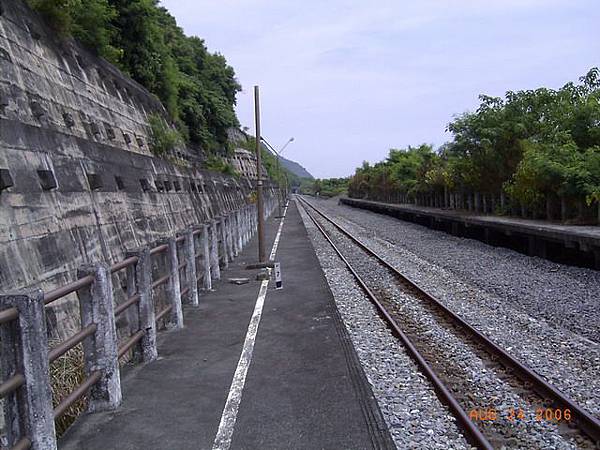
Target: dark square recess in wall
120 183
47 179
177 186
95 129
145 185
4 100
168 185
37 110
69 121
95 180
110 133
159 185
6 179
193 187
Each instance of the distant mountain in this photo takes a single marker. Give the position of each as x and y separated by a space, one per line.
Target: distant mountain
295 168
240 136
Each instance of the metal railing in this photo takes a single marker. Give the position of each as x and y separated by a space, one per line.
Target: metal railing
194 256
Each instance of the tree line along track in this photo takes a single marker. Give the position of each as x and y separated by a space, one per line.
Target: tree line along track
453 386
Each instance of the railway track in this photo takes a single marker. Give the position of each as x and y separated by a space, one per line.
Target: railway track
515 405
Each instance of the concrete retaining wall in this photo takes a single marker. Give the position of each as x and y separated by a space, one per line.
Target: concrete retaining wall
78 183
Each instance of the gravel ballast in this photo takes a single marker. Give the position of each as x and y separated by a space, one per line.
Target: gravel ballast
413 413
476 381
566 296
480 286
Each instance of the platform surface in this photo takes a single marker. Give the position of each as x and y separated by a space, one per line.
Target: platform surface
589 233
303 390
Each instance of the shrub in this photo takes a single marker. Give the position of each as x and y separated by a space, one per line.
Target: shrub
164 139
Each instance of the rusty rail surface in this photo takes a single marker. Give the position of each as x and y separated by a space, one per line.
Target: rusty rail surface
589 424
164 312
125 263
472 432
130 342
23 444
8 315
11 385
71 342
67 289
134 299
77 393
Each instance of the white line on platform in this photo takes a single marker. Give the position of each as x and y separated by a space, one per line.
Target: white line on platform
232 405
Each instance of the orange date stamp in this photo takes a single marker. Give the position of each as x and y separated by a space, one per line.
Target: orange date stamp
518 414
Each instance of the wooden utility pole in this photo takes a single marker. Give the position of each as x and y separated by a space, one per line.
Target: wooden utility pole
259 182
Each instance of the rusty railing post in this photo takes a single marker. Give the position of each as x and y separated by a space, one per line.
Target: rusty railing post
189 251
24 350
101 349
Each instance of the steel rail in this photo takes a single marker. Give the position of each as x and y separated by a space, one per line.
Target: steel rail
125 263
57 293
71 342
135 298
158 249
471 431
589 424
11 385
130 342
77 393
163 313
8 315
23 444
161 280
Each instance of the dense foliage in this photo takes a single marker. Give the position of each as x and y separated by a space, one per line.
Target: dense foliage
197 87
535 152
217 163
327 187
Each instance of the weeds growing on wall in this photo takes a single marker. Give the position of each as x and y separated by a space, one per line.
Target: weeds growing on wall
218 164
164 138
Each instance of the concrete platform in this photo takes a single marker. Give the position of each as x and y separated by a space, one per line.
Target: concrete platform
570 244
304 387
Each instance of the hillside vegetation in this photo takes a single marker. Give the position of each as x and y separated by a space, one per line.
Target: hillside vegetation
535 153
198 88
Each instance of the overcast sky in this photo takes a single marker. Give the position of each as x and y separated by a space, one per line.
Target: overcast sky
351 79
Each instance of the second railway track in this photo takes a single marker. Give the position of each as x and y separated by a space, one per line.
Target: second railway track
498 401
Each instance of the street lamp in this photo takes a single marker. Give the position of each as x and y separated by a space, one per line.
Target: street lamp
277 155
